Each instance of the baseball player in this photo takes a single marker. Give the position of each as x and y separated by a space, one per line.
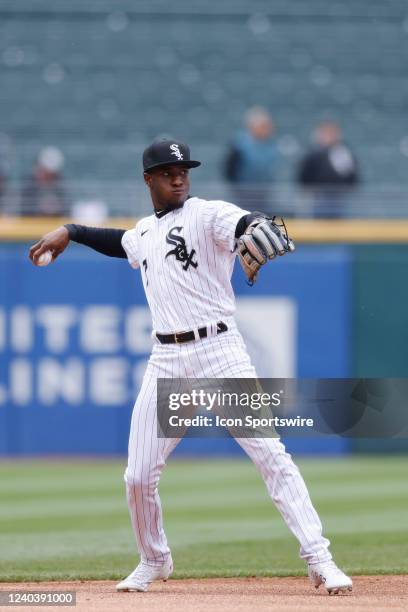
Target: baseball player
185 251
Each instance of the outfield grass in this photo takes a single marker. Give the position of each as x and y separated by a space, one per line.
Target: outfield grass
68 520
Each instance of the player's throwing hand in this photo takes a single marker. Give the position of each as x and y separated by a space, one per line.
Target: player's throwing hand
55 241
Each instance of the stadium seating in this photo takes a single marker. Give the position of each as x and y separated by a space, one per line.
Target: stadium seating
101 84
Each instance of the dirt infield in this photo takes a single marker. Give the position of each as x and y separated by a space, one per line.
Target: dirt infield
370 594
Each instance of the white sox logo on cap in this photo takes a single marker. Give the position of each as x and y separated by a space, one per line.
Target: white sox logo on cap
176 151
167 152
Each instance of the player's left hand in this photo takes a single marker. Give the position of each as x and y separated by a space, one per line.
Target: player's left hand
263 239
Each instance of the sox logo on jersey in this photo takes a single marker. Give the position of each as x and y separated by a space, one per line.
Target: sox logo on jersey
180 251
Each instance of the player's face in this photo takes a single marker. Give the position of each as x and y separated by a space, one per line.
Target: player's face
169 185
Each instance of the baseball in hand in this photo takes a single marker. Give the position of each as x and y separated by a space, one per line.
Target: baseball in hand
44 259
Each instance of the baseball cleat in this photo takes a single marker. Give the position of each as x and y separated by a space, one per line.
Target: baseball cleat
334 580
141 578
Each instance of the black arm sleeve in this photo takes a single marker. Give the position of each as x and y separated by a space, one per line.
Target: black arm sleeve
104 240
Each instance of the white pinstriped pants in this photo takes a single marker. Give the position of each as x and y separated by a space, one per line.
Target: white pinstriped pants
222 356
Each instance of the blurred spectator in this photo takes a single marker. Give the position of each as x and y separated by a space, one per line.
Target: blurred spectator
329 171
251 160
3 186
44 193
6 199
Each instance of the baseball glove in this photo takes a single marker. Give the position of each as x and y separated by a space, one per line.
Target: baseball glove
263 239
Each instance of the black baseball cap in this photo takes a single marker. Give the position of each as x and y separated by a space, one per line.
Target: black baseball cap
167 152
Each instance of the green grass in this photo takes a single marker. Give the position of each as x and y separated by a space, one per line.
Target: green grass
68 520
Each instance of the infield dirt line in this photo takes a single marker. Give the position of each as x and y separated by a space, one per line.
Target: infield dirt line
370 594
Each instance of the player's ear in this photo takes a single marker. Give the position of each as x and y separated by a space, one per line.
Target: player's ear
147 178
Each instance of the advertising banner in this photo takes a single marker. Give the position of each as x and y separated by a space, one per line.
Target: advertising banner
75 337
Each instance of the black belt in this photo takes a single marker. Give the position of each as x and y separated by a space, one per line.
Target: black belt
182 337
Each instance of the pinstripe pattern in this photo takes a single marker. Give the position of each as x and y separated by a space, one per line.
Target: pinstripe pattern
182 300
208 228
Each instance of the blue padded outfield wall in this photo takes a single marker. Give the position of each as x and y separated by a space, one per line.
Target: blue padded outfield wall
75 337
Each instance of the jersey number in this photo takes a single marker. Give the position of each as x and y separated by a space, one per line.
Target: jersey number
144 262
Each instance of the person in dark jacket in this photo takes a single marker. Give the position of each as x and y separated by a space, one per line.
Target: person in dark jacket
250 162
329 172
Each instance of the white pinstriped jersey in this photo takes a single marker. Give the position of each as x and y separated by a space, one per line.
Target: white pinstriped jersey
186 259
